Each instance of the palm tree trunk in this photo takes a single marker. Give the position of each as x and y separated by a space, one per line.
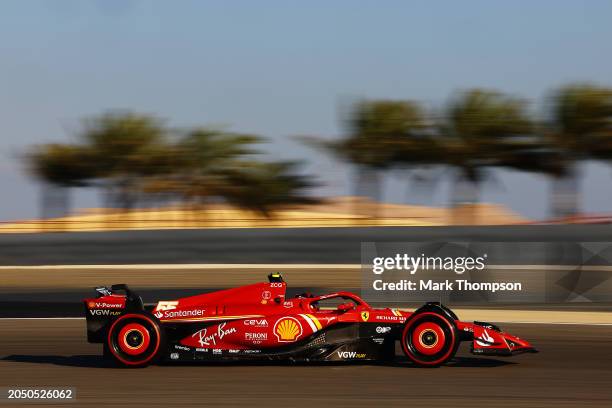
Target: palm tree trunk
465 194
54 202
368 184
46 204
565 194
108 203
45 201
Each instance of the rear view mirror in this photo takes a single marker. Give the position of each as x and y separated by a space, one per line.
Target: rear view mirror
345 307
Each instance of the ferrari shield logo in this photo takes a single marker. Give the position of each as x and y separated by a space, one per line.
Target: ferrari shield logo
365 316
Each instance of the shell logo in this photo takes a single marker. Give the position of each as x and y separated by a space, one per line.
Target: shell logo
287 329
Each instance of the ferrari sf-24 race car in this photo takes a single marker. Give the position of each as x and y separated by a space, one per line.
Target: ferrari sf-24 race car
258 322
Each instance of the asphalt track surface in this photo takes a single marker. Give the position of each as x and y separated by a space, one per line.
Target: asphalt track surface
573 369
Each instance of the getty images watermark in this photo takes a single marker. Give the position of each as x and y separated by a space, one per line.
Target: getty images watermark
485 272
455 272
457 264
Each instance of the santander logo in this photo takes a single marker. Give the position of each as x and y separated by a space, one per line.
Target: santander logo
172 314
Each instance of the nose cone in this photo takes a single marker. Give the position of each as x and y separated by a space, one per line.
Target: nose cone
518 345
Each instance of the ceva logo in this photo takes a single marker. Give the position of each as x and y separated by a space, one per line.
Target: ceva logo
256 322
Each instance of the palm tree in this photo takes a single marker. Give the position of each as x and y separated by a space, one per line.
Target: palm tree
381 134
263 187
580 126
205 159
126 148
212 164
60 167
130 155
481 130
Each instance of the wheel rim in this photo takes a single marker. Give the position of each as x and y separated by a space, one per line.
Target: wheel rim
429 339
134 339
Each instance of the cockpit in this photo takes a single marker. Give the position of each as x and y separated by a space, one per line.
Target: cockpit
334 302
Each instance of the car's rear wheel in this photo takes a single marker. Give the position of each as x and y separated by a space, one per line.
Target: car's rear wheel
429 339
135 339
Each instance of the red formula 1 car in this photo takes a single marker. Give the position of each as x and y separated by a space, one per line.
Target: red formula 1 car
258 322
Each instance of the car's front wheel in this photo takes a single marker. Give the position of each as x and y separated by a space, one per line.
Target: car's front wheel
135 339
429 339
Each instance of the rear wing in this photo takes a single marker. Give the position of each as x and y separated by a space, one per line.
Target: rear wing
108 304
133 300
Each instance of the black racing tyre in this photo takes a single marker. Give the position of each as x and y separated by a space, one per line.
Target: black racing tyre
429 339
135 339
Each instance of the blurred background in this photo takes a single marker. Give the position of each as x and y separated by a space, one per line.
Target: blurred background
133 114
284 135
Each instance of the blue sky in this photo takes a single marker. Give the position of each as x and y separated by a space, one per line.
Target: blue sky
282 68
